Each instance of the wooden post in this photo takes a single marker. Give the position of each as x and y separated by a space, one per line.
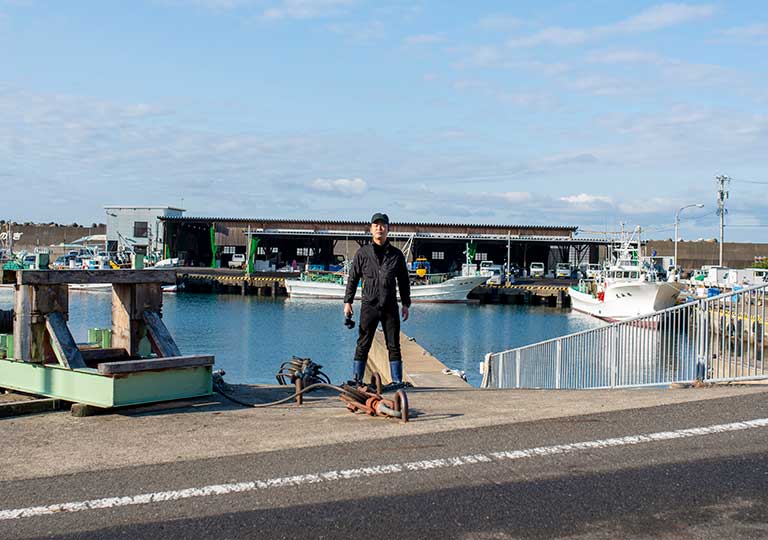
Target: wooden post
162 342
129 302
22 323
32 304
62 342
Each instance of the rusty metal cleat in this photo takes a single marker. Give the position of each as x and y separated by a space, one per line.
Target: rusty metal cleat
360 399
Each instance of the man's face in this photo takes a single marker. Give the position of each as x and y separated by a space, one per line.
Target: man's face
379 232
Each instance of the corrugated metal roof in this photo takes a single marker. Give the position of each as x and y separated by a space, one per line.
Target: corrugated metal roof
361 223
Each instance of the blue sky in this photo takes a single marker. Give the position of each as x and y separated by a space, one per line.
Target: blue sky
579 113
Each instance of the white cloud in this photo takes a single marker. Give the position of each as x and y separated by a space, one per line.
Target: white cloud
554 35
370 31
345 186
498 22
514 197
470 84
565 160
649 20
599 85
452 134
672 70
752 32
624 57
586 199
305 9
663 16
651 205
214 4
529 99
423 39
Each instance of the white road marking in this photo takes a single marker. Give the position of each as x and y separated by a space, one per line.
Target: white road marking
376 470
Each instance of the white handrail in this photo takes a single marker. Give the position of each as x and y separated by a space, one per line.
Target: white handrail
726 332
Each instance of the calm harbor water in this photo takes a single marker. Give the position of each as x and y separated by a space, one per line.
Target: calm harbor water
252 336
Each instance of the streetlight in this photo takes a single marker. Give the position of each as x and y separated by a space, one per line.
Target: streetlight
677 225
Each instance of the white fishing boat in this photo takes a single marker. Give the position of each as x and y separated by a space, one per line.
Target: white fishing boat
628 287
90 287
431 288
107 287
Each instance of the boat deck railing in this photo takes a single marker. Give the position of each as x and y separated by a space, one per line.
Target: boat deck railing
719 339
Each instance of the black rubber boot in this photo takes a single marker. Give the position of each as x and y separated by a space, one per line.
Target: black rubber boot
396 373
358 371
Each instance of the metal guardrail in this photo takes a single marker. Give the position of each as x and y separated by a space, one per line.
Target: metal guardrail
718 339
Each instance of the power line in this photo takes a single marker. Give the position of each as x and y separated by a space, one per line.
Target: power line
741 180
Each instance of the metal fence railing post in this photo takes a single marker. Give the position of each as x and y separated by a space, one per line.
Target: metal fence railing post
558 362
517 369
701 342
487 376
614 345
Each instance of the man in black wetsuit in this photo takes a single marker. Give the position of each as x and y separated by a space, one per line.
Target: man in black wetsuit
382 268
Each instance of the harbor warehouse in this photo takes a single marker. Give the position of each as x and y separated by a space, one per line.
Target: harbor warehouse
288 243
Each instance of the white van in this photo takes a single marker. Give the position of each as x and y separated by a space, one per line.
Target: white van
563 270
493 271
237 261
756 276
537 269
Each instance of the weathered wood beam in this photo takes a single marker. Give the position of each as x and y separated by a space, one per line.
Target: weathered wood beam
161 339
64 346
58 277
32 303
100 355
154 364
129 302
22 324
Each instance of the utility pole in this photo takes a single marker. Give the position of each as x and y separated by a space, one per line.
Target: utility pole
722 195
509 250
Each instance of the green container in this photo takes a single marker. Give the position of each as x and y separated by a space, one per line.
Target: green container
6 345
100 336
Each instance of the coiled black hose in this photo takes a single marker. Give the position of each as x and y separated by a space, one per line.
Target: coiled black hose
301 368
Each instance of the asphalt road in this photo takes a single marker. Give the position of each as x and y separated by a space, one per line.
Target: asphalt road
513 481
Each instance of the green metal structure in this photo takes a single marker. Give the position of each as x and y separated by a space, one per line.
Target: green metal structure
87 385
136 361
213 246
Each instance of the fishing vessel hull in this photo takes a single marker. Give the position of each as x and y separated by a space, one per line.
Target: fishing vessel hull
453 290
623 301
107 287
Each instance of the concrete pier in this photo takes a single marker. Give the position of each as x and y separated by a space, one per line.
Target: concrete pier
219 280
547 292
420 367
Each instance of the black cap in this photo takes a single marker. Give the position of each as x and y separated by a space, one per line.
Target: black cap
378 216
